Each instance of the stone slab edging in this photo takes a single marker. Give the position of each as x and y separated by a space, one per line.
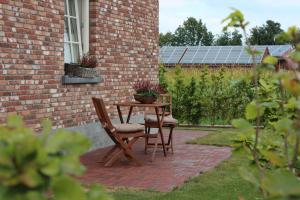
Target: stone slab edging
78 80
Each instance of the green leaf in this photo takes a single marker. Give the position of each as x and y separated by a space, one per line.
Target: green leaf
47 128
243 125
65 188
33 195
263 83
292 103
96 192
252 51
281 183
71 165
70 143
5 160
274 158
284 125
234 19
253 110
270 60
249 176
14 121
52 168
295 56
271 104
31 178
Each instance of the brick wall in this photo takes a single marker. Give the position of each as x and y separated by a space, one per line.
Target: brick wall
123 35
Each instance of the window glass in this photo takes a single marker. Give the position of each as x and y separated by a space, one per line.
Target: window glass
72 10
74 30
66 32
66 10
67 53
76 53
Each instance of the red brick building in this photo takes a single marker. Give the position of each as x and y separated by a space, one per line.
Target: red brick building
38 37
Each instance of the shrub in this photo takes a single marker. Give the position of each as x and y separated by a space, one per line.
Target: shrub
146 88
209 96
42 167
88 61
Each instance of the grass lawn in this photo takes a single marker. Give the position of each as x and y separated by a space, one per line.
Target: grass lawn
221 183
219 137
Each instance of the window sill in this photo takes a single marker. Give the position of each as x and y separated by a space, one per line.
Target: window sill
77 80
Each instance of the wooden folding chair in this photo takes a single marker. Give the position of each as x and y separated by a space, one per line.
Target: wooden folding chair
123 135
168 122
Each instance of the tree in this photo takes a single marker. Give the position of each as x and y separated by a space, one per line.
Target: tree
223 39
166 39
266 34
194 33
228 38
236 38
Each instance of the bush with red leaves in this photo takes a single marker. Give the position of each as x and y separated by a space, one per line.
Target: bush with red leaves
88 61
146 88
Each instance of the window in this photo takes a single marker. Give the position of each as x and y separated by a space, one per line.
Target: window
76 29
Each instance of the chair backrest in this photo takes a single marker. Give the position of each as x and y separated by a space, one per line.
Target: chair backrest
166 98
103 117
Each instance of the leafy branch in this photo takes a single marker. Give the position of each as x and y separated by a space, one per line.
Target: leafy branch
271 163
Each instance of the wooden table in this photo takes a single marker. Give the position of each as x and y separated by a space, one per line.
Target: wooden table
160 117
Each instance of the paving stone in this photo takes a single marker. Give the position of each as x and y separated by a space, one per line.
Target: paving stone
165 173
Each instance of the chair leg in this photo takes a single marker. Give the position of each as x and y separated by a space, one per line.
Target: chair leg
128 153
109 154
126 150
147 138
155 148
131 142
113 159
171 139
114 153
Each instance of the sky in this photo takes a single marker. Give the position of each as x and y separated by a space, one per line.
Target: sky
174 12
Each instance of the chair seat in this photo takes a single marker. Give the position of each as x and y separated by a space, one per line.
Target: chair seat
129 128
167 119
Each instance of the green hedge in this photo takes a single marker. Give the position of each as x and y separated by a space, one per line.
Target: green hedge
208 96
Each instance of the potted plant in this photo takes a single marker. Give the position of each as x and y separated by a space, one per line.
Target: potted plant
146 92
86 68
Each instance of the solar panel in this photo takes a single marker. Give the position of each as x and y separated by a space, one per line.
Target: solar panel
189 55
164 53
200 54
234 54
279 50
176 55
216 54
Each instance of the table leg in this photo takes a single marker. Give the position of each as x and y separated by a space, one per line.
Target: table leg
120 114
129 114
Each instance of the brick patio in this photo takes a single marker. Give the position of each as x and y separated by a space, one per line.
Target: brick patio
163 174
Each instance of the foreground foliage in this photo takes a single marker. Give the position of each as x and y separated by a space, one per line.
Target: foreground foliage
39 167
277 160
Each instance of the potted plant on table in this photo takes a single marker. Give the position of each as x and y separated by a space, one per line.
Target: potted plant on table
146 92
86 68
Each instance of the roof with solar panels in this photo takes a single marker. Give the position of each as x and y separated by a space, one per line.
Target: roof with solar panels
214 55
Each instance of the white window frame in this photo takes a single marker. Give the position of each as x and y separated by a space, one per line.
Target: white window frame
82 23
85 24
